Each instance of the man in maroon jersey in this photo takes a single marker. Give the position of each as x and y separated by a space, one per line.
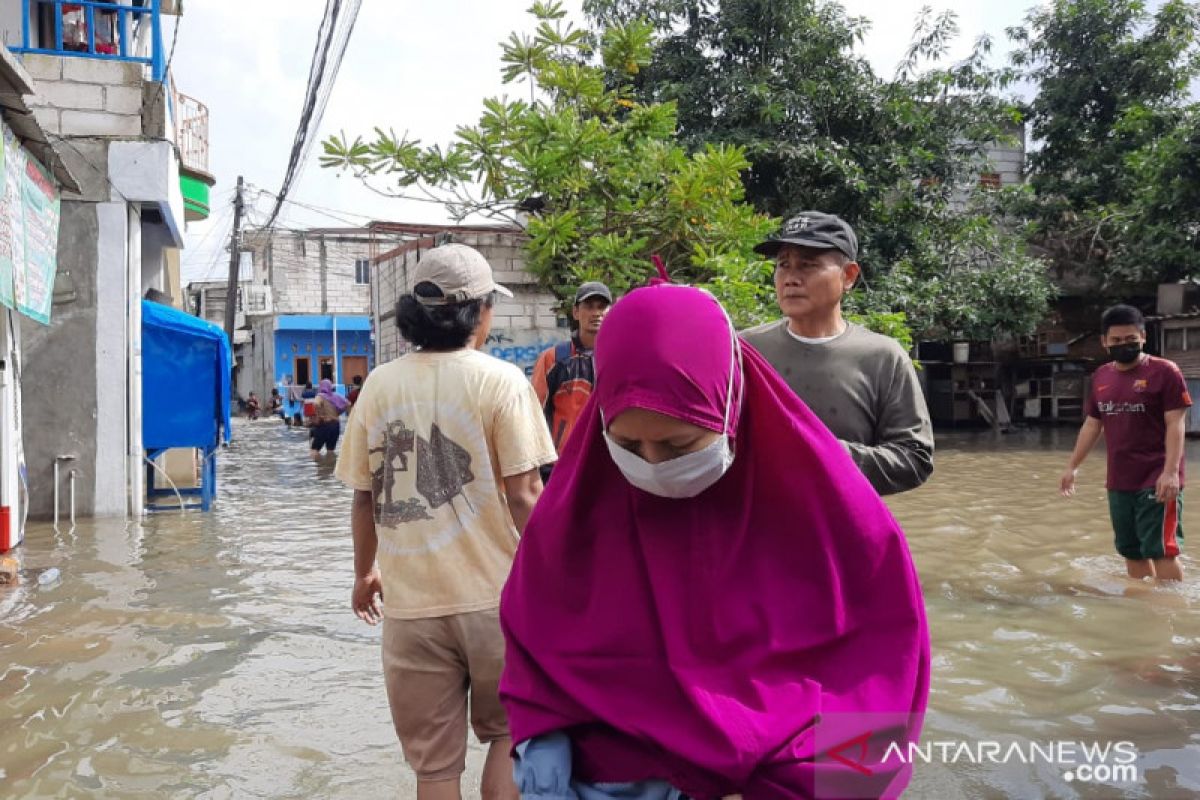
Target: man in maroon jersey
1139 403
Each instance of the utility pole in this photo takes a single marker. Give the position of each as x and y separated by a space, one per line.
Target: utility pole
234 265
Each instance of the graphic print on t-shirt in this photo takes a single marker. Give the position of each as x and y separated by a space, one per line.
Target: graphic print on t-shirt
443 468
1131 405
397 441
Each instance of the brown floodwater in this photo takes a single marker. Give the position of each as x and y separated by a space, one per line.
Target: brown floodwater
215 656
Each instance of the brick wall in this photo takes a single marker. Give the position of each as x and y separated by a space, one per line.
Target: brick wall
86 96
312 272
522 326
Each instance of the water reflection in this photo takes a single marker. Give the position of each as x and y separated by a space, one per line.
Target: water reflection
1037 634
214 656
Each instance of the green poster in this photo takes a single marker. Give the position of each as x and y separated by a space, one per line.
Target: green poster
41 207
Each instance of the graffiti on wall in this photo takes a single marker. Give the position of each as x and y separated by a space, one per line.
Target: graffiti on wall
521 347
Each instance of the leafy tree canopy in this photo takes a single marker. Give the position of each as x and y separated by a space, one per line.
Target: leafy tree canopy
1115 179
687 128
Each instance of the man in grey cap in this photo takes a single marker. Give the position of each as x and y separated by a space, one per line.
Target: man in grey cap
563 375
443 450
860 384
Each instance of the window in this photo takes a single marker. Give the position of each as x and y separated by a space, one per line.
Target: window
989 180
362 271
1175 339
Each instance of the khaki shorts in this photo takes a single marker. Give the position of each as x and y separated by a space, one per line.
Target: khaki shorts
430 667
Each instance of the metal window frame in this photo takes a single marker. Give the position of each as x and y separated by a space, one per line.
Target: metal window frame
124 14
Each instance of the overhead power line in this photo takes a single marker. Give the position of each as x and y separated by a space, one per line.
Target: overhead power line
333 36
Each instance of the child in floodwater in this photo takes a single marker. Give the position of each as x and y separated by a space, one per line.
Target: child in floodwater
709 599
253 406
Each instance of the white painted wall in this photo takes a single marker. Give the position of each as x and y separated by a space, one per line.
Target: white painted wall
10 22
148 172
137 480
155 241
10 423
112 358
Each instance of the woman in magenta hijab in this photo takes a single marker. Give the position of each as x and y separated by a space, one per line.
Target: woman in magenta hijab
709 599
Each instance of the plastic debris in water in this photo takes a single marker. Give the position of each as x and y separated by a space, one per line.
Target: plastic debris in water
48 576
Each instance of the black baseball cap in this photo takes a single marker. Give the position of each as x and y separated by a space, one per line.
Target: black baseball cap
593 289
813 229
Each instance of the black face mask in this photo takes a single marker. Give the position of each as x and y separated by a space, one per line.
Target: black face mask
1125 353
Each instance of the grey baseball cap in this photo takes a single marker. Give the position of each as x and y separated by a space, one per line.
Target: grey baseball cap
460 272
593 289
813 229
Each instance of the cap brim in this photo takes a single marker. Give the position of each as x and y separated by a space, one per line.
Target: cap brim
771 247
498 289
590 295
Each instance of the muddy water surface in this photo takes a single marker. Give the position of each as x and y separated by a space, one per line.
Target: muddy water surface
214 655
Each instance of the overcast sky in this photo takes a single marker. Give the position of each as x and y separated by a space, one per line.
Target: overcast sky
420 67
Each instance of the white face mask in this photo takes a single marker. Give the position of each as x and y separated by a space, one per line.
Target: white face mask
685 476
692 473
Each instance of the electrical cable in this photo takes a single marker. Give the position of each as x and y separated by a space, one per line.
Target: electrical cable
331 213
350 17
316 73
322 76
170 58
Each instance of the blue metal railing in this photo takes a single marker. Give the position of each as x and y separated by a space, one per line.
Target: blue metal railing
122 16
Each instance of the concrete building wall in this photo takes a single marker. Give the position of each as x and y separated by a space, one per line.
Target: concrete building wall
10 22
316 345
207 301
87 96
156 244
313 273
522 327
258 361
61 412
1009 161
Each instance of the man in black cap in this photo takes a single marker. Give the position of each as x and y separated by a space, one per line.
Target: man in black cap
860 384
563 375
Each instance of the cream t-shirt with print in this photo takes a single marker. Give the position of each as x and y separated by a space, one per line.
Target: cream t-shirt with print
432 437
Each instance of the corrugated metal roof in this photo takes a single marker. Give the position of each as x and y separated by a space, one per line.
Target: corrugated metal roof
1188 361
1193 314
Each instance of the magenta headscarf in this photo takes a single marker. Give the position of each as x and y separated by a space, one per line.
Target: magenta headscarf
766 637
325 389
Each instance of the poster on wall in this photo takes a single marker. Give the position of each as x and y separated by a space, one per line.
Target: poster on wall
39 198
9 253
30 209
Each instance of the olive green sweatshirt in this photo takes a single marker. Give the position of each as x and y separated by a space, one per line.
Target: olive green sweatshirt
864 388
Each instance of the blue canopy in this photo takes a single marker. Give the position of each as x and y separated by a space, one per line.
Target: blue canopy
186 366
322 322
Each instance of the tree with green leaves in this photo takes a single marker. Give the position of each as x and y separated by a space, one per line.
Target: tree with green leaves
897 157
612 154
609 183
1115 184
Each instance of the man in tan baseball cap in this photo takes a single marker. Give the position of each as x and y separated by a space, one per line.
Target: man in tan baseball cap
443 451
460 273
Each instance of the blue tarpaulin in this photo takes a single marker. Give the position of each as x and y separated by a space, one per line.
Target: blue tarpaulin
186 365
